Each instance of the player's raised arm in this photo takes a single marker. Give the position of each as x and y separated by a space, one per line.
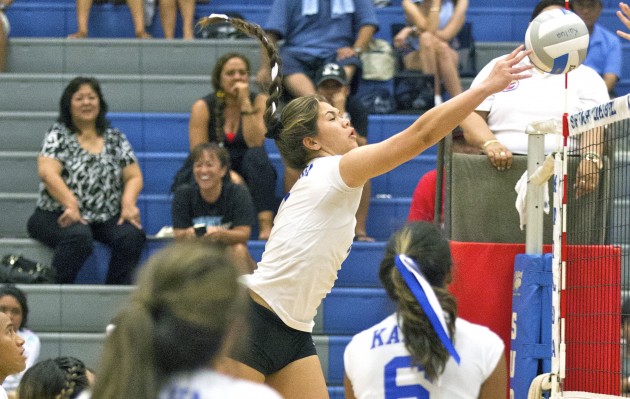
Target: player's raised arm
363 163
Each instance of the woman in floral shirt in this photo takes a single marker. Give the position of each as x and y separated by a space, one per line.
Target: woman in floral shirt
90 185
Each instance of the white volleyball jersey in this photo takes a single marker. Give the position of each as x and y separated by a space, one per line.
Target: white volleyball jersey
208 384
378 365
539 98
312 235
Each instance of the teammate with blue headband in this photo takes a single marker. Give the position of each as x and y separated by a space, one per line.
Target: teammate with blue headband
423 349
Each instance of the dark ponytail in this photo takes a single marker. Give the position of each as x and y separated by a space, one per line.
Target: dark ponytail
426 245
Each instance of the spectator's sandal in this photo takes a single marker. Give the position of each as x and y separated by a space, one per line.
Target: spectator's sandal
363 238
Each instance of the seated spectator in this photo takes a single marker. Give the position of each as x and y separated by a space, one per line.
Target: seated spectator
624 16
497 127
426 41
90 186
232 116
168 16
332 83
136 7
5 29
63 377
13 302
215 209
604 48
12 358
187 310
423 350
317 32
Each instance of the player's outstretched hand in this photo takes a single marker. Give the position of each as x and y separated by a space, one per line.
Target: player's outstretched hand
507 70
624 17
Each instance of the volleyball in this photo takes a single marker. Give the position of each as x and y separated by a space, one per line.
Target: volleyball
558 40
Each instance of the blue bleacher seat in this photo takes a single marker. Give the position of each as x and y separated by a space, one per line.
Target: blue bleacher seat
158 170
334 316
387 215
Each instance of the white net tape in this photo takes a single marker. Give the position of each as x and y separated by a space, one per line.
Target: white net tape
600 115
587 395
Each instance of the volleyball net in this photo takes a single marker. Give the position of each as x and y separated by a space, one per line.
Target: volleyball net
591 256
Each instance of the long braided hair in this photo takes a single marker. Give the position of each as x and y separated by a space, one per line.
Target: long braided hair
425 244
298 118
63 377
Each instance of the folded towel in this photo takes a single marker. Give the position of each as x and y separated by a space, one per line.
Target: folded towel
540 177
338 7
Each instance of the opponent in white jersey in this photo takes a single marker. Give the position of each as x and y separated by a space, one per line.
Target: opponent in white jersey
313 229
186 311
415 353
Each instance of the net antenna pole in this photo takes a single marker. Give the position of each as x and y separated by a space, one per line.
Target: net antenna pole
558 360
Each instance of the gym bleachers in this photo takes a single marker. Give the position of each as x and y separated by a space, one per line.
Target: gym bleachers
139 98
150 86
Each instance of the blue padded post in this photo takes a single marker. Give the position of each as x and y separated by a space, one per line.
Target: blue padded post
546 313
532 281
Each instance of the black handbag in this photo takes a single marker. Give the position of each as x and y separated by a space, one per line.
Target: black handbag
16 269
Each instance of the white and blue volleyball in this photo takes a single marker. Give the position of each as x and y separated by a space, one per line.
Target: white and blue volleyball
558 39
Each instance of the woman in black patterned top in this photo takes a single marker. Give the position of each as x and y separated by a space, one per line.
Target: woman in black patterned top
90 185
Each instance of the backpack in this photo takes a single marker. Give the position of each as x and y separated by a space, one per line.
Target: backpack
413 91
378 101
378 61
382 3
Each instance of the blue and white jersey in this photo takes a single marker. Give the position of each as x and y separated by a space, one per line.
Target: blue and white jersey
379 366
208 384
311 236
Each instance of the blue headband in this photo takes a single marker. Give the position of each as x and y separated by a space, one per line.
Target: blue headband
424 294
